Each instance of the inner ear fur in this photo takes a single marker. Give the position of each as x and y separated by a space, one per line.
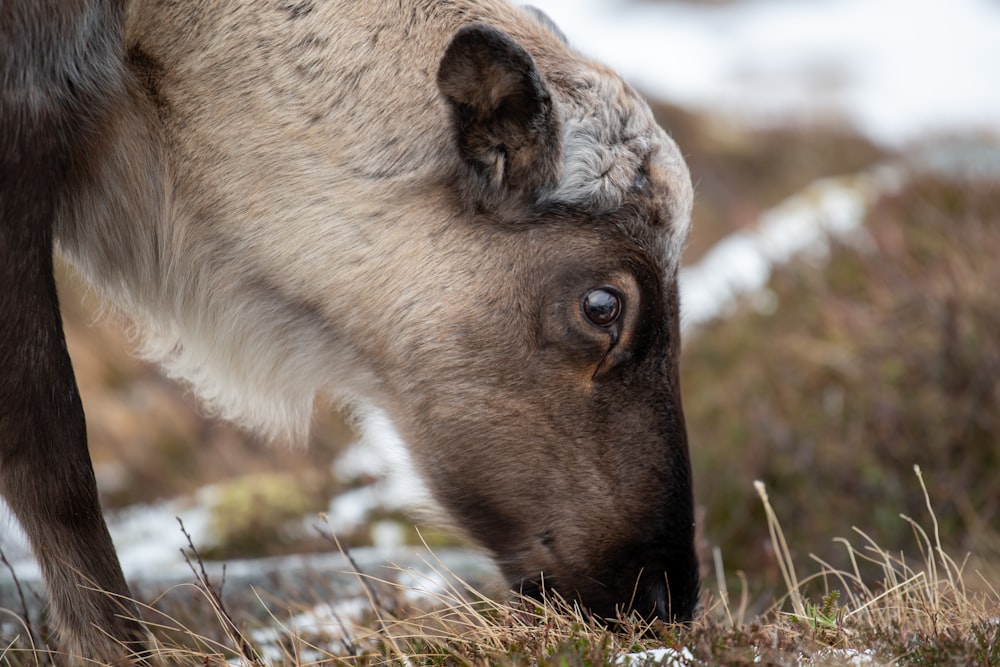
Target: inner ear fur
506 127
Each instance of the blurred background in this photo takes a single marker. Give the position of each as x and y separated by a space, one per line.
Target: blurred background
841 294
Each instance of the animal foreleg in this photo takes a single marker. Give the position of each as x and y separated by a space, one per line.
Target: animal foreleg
45 471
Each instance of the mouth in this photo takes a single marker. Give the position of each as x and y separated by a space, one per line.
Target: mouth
649 597
653 580
539 588
658 601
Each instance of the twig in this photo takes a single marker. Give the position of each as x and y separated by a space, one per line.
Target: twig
374 599
246 650
331 537
345 634
25 617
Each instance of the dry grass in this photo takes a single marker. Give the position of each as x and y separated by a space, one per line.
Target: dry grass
926 599
830 401
923 610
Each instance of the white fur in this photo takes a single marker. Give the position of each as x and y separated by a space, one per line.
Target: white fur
605 145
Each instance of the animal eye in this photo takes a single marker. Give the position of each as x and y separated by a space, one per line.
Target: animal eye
602 306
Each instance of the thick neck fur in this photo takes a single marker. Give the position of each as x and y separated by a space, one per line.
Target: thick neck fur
265 214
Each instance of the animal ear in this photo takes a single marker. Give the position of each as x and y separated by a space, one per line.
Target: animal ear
505 124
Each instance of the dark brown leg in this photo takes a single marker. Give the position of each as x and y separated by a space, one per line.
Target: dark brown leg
60 73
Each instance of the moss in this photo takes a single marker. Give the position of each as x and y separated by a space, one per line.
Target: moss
251 515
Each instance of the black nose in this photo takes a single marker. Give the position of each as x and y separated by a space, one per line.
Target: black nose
667 604
651 596
658 601
533 588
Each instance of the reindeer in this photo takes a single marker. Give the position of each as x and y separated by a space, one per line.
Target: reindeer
438 211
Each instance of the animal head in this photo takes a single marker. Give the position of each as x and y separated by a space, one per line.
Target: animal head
464 223
547 413
435 208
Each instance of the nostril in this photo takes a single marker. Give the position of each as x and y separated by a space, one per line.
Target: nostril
667 607
536 589
661 599
547 539
659 602
530 589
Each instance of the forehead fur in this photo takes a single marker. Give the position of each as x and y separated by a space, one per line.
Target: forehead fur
615 154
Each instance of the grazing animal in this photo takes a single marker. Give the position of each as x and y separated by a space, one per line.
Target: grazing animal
439 211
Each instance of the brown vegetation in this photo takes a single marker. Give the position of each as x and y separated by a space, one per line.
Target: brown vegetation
874 362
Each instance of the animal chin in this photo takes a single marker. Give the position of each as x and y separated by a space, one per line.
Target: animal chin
538 587
648 595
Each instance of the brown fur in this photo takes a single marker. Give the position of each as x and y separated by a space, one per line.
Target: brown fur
401 207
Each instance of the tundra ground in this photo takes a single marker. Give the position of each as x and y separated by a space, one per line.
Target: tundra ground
849 370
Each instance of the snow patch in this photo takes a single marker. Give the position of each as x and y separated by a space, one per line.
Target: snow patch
667 657
895 69
382 455
804 223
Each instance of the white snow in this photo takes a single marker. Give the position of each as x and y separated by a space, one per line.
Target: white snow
327 624
667 657
382 455
147 537
846 656
149 540
895 69
741 263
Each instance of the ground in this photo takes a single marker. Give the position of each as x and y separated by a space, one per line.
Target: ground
858 360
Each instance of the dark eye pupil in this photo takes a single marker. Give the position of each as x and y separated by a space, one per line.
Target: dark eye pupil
602 307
